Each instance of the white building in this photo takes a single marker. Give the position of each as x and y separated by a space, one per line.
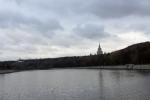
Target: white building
99 51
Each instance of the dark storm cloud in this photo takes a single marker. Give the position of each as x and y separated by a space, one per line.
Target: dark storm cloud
101 8
91 31
9 20
119 8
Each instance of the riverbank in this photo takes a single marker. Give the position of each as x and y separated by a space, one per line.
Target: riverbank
120 67
7 71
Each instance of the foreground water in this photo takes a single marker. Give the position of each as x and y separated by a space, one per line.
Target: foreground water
75 84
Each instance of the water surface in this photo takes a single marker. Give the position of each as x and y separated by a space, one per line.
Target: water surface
75 84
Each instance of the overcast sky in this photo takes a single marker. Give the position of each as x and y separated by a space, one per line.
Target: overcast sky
57 28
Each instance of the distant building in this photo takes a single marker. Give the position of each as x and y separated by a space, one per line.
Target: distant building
20 60
99 51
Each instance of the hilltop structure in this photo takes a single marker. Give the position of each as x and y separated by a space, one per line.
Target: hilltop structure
99 51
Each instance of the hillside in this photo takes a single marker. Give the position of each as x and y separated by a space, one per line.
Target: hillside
134 54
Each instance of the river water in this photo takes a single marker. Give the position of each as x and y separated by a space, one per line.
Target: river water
75 84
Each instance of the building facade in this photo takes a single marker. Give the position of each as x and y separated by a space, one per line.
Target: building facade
99 51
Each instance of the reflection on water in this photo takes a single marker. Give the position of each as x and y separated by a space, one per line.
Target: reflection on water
75 84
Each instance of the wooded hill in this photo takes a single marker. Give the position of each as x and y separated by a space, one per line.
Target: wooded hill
134 54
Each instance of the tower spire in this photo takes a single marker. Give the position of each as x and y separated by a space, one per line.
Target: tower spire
99 51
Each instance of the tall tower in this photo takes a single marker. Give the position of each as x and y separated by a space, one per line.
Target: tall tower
99 51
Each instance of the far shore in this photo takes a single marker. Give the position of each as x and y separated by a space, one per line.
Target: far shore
120 67
7 71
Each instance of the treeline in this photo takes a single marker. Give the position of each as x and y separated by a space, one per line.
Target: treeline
135 54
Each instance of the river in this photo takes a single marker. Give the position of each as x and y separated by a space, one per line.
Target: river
75 84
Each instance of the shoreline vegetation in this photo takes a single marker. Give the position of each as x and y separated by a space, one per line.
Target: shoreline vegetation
122 67
136 56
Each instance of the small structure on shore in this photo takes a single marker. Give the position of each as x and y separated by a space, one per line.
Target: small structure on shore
99 51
